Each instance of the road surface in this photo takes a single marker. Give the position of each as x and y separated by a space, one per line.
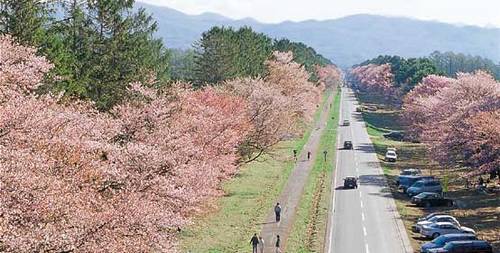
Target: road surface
363 219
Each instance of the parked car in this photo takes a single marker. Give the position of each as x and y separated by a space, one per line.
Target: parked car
391 156
430 216
359 109
438 218
371 108
442 240
392 149
346 122
350 183
348 145
424 186
476 246
408 172
430 199
406 182
394 135
442 228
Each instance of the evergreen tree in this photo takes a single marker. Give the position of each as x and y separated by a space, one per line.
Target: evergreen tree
24 20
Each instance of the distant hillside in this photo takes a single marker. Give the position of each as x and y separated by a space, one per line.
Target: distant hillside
347 40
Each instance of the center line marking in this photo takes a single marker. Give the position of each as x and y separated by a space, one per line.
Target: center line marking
364 231
363 216
361 203
366 248
360 194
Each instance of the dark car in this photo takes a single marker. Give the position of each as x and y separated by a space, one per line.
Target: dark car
406 181
441 241
394 135
426 185
348 145
464 247
350 183
429 199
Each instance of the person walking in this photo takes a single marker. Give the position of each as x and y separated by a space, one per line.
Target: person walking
295 154
277 211
255 242
261 244
278 250
308 155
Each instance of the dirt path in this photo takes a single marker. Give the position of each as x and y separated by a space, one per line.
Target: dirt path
292 192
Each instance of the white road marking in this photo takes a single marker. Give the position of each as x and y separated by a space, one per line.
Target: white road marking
361 203
364 231
366 248
363 216
359 194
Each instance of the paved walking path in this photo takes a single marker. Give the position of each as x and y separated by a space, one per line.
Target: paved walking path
292 192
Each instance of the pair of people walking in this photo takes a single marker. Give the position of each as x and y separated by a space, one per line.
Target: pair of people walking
258 244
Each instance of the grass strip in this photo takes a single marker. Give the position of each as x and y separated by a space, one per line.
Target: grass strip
309 228
248 198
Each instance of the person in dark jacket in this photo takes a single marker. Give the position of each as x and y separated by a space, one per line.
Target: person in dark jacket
278 241
277 211
308 155
255 242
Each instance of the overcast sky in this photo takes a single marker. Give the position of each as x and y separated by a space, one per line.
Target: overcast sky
472 12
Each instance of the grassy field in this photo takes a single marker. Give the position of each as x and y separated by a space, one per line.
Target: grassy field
308 232
249 196
475 210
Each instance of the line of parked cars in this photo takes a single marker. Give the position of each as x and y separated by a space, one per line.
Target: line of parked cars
448 235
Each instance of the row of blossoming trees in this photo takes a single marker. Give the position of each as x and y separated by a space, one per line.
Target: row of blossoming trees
73 178
459 118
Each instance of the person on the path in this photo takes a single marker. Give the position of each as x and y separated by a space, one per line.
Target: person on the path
308 155
278 250
261 244
295 154
277 211
325 153
255 242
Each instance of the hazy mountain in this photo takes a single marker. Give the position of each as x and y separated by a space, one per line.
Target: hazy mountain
347 40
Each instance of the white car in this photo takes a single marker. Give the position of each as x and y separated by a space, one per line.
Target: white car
392 149
391 156
442 228
435 219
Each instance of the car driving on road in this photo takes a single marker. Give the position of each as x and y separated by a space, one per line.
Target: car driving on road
350 183
346 122
424 186
442 228
348 145
430 199
438 218
476 246
391 156
442 240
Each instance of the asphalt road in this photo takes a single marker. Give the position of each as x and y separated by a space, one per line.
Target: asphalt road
363 219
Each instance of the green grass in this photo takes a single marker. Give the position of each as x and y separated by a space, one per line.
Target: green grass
248 198
309 228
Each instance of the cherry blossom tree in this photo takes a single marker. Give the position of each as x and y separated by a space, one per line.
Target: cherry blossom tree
329 76
375 78
449 117
76 179
414 112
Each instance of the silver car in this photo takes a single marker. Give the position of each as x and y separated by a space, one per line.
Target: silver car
443 228
435 219
424 186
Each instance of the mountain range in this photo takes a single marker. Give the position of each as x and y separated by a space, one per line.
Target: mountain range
346 41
